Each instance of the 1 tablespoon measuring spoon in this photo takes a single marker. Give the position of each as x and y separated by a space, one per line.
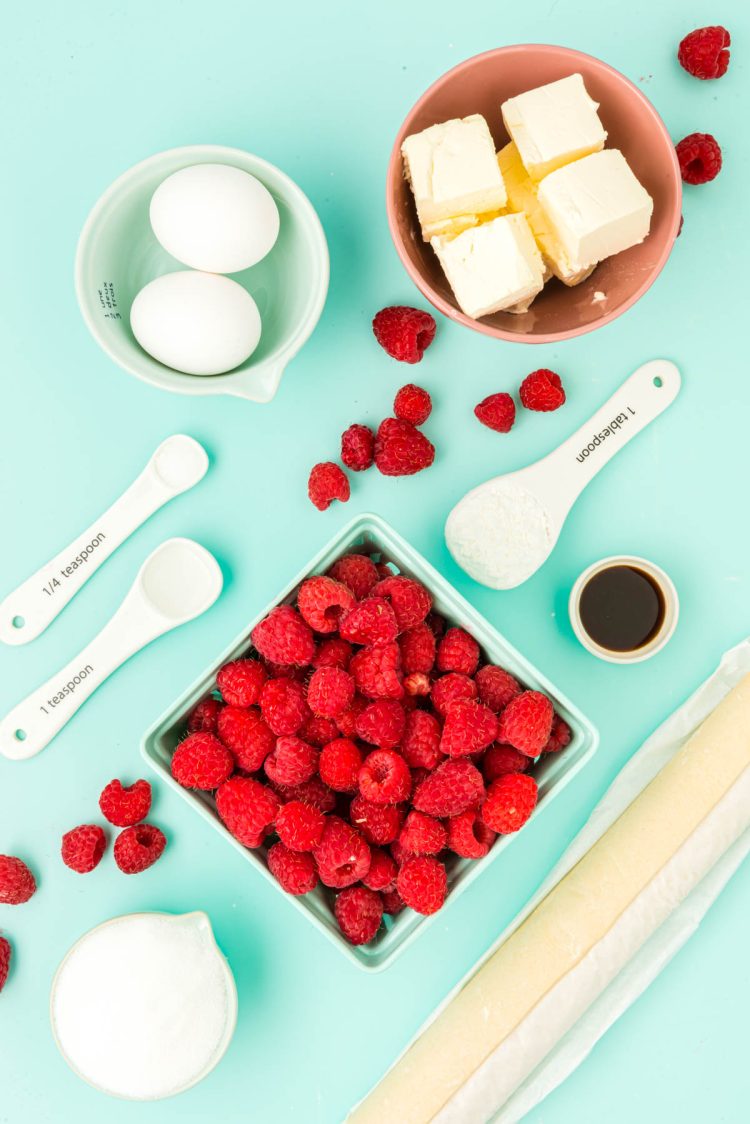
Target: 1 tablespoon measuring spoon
505 529
177 464
176 583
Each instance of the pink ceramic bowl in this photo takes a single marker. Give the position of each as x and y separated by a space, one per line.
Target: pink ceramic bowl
480 85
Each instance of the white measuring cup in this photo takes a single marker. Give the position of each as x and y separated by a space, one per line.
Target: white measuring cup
177 582
502 531
177 464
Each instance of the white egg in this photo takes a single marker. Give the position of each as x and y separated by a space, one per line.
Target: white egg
214 217
198 323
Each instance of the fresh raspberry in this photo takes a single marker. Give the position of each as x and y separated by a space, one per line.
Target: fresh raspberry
319 731
284 706
559 737
401 449
241 682
699 156
382 872
418 647
509 803
382 723
423 884
286 671
247 735
300 826
379 823
450 689
357 571
405 333
377 672
293 761
330 691
497 411
420 745
422 835
393 903
82 847
436 623
323 601
385 570
327 482
313 792
247 808
526 722
371 621
204 716
384 777
343 855
357 447
409 600
458 651
542 391
339 765
347 722
703 53
294 871
412 404
125 806
201 761
17 883
415 685
5 955
359 912
334 651
501 759
284 637
469 727
496 686
453 787
469 836
138 847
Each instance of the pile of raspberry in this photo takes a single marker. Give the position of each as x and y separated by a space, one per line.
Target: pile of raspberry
365 745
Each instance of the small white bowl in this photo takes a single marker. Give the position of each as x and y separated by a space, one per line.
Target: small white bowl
668 625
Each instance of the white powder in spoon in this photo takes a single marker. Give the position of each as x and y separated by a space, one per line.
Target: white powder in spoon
500 533
144 1005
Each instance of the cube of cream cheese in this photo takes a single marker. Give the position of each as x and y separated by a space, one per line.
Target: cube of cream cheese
453 171
553 125
492 266
596 206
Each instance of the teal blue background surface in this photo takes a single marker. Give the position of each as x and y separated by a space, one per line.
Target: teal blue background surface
88 90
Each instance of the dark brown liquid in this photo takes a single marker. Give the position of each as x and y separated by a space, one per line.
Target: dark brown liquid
621 608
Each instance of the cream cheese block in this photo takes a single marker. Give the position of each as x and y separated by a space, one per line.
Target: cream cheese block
453 172
596 207
553 125
492 266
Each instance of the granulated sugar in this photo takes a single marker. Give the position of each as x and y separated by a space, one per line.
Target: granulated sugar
144 1005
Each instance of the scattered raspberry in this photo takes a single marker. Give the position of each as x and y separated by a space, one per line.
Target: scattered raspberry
401 449
420 746
379 823
247 808
330 691
300 826
409 600
319 731
382 872
334 651
327 482
393 903
347 722
284 706
241 682
423 884
377 672
247 735
284 637
382 723
202 762
526 723
542 391
468 836
469 727
385 570
457 651
496 687
82 847
371 621
412 404
295 872
125 806
699 156
450 689
497 411
359 912
416 684
453 787
293 761
559 737
138 847
510 801
358 572
358 447
313 792
405 333
418 647
422 835
703 53
323 601
17 883
501 759
339 765
205 716
5 954
343 855
384 777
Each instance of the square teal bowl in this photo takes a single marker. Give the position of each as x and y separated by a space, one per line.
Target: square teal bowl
369 533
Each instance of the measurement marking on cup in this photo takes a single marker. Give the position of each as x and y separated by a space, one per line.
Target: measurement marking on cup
68 689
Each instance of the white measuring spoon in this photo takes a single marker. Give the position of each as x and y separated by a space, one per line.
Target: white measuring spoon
177 464
505 529
176 583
